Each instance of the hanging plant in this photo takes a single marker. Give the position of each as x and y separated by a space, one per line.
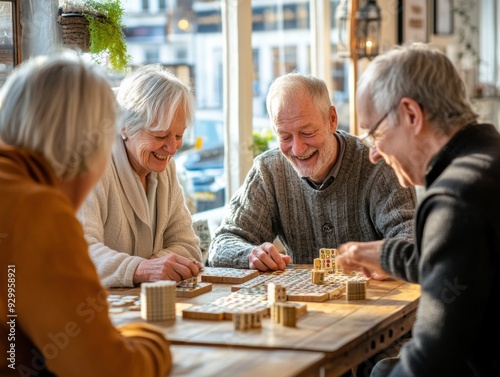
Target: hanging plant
103 20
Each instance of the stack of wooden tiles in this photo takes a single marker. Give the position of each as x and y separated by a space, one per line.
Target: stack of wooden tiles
276 293
327 257
356 289
158 300
246 321
284 313
318 276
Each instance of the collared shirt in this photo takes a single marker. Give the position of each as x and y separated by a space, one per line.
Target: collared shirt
335 170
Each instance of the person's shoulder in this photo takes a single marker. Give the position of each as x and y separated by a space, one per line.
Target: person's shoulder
352 143
41 202
357 154
355 151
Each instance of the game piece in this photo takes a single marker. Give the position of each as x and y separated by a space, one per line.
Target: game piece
129 297
318 276
188 283
158 300
276 293
327 257
284 313
317 263
246 321
288 314
355 290
118 303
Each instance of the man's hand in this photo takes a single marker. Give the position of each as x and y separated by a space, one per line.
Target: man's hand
266 257
169 267
363 257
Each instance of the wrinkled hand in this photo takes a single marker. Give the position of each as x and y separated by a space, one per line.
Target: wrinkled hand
169 267
267 257
363 257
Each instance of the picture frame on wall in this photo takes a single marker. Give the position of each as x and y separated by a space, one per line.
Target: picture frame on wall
412 21
443 17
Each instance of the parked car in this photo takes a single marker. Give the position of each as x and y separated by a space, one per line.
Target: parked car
200 165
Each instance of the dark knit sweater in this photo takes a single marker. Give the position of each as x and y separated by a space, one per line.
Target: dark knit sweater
364 203
457 246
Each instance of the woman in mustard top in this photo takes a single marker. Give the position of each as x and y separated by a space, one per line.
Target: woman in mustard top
57 126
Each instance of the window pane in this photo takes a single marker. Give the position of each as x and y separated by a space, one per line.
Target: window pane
281 44
186 37
6 40
339 75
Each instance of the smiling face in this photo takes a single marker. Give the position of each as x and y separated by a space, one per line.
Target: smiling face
150 151
305 137
397 143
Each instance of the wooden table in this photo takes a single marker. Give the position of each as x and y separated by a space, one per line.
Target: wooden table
205 361
345 332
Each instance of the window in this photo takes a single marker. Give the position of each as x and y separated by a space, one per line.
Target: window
151 55
10 53
272 37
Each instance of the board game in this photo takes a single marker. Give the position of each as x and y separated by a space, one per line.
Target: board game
252 295
299 286
227 275
249 300
186 291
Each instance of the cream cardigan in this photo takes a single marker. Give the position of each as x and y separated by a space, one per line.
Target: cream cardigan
115 218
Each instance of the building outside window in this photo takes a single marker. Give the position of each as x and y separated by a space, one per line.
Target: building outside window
190 33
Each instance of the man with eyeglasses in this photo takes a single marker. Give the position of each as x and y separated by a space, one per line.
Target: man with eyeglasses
318 190
429 134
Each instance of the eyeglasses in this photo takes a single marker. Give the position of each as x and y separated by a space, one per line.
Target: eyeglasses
367 138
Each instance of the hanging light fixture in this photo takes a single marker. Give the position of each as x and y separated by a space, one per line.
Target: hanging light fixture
368 24
342 18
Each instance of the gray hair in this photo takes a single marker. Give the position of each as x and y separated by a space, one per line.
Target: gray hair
292 84
425 74
62 107
150 97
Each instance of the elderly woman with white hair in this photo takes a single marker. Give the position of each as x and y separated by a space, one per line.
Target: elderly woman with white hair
57 120
136 221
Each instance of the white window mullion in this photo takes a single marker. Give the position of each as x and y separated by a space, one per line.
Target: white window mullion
237 103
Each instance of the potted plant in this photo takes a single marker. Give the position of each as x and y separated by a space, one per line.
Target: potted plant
261 140
96 27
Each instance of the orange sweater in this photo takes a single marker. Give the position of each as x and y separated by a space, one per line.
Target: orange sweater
53 310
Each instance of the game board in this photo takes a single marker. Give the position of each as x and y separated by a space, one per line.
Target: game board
252 295
193 291
248 300
299 286
118 303
227 275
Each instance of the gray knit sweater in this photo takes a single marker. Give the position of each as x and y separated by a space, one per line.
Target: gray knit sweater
364 203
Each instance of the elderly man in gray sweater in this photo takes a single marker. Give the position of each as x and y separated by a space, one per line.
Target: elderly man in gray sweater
318 190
